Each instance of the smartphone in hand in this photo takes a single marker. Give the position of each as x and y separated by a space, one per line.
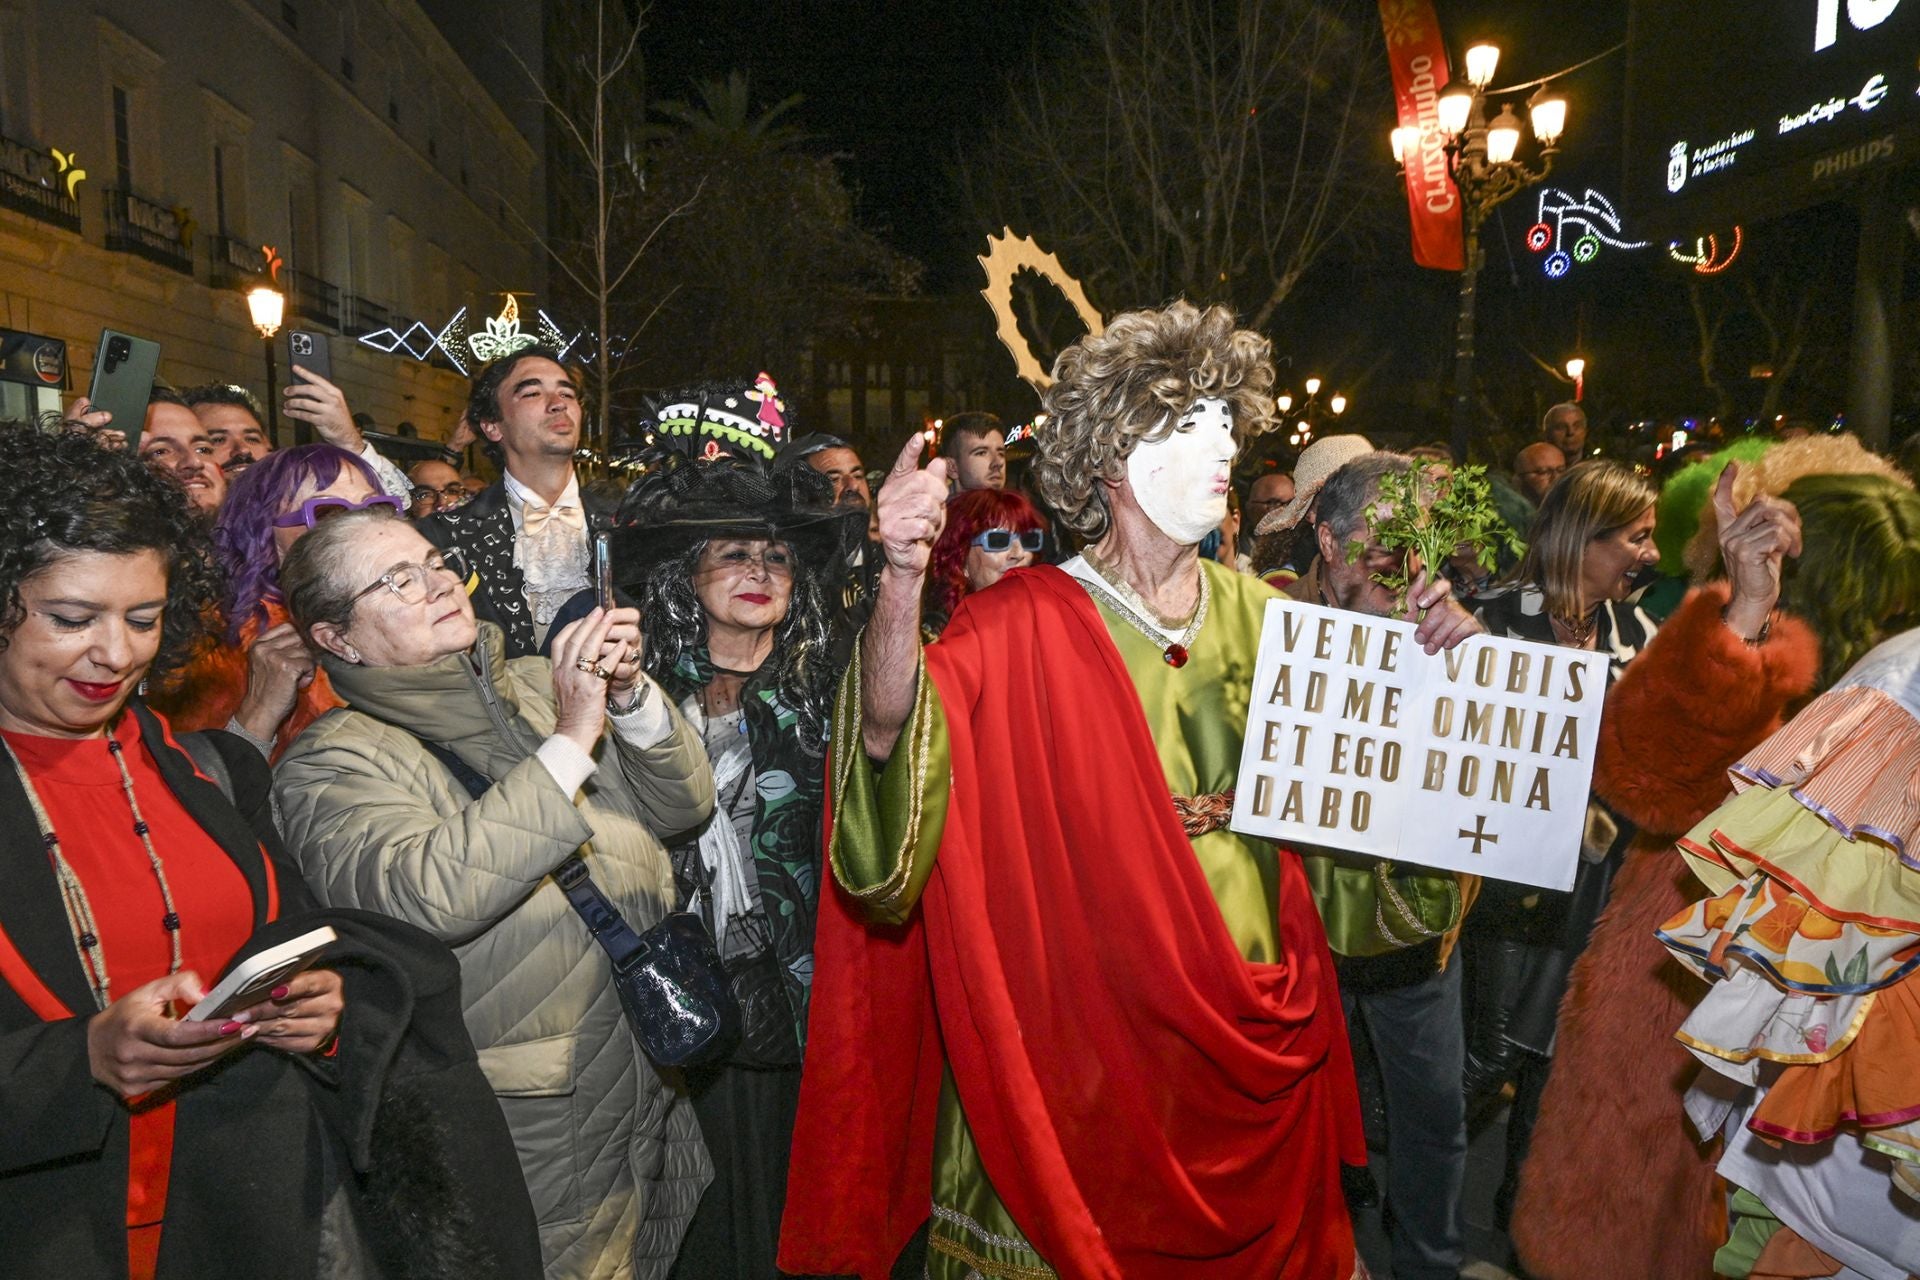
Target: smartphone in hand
603 569
123 371
309 351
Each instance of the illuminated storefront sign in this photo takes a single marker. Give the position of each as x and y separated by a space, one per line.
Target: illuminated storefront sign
1738 110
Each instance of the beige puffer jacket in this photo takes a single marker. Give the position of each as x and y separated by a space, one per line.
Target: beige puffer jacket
613 1157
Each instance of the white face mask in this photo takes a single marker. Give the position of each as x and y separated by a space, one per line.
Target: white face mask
1181 481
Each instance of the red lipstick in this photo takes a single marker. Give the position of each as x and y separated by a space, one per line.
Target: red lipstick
754 597
96 692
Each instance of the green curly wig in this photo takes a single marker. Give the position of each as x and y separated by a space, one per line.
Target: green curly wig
1857 581
1686 493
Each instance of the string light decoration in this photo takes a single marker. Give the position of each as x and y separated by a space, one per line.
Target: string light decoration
502 337
68 163
1704 256
1589 221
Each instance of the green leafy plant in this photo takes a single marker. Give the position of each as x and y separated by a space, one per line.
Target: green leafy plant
1433 515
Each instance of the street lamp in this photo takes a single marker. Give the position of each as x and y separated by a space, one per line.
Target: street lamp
1312 411
268 307
1481 158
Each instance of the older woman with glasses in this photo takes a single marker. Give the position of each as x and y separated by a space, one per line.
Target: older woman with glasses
446 793
258 681
989 531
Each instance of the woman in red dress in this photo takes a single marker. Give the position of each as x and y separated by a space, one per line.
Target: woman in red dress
134 1142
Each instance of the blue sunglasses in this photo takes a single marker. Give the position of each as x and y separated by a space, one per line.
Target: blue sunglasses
998 540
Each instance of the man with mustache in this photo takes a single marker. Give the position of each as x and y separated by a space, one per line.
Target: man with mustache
528 537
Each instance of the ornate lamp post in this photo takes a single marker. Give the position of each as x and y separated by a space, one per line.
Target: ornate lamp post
268 307
1480 158
1312 407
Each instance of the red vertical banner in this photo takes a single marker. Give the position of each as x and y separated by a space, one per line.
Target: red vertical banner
1419 59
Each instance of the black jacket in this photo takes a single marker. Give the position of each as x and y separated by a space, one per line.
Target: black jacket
483 530
399 1126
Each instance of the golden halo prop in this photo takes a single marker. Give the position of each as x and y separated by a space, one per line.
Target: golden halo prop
1006 255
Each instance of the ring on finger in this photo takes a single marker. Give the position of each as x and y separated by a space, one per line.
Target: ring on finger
586 664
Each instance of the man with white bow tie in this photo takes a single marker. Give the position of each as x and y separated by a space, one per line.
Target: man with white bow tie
528 537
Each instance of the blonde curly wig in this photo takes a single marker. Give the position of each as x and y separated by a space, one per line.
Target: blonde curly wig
1131 384
1773 472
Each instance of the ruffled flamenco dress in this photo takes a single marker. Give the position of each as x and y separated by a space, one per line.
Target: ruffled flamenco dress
1810 1031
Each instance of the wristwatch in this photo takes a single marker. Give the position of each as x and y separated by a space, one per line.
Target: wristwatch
641 690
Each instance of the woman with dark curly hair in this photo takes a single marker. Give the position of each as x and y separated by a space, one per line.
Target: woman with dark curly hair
730 563
259 682
133 1141
989 531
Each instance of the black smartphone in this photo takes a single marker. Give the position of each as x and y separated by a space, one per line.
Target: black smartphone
603 569
307 350
123 370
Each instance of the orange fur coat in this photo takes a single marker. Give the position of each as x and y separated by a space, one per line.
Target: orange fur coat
1615 1183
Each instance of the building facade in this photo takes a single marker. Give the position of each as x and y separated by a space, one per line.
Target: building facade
156 159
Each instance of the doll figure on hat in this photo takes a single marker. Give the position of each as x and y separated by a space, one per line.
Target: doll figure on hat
771 405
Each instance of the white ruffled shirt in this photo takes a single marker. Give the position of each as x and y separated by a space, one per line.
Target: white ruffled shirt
553 562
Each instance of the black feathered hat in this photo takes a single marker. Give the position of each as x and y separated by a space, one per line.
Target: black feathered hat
683 500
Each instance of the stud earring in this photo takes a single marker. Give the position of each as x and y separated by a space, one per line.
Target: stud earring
353 656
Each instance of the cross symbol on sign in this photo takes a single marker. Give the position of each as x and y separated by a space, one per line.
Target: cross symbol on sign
1479 833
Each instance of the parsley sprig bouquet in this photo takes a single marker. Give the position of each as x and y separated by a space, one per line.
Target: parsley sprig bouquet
1434 514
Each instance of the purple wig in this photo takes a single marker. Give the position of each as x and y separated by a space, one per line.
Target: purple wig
243 535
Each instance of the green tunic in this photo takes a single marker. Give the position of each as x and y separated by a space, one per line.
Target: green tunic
886 835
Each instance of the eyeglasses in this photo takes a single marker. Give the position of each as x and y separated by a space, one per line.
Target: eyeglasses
325 507
994 541
774 561
410 581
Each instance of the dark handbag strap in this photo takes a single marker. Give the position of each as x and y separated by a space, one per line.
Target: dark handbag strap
603 920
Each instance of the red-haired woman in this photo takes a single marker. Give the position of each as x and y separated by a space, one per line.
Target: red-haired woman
989 531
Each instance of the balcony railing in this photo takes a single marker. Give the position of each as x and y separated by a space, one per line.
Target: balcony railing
311 299
237 264
360 316
148 230
31 183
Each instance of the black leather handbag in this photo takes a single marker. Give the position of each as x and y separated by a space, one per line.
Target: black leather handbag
677 995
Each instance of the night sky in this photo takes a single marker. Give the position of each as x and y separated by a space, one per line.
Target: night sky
899 90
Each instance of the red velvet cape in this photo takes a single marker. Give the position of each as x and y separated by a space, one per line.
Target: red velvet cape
1146 1101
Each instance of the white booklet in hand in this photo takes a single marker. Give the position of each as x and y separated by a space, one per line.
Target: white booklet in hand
252 978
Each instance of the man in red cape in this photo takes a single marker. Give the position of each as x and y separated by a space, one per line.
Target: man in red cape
1101 1029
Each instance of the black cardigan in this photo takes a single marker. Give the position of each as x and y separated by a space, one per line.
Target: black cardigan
400 1120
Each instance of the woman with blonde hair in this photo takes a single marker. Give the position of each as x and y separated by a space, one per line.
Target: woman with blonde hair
1588 550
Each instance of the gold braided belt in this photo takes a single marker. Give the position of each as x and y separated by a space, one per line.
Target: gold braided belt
1201 814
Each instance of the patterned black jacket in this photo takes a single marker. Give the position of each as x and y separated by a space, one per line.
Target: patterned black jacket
483 530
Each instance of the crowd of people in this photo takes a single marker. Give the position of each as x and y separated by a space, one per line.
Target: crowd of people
941 760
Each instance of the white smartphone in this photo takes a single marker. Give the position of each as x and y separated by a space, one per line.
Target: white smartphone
251 979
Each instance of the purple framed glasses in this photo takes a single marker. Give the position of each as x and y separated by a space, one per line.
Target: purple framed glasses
326 506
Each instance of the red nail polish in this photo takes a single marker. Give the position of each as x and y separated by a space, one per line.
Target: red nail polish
228 1028
280 992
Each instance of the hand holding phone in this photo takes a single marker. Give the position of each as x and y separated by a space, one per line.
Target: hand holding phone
123 371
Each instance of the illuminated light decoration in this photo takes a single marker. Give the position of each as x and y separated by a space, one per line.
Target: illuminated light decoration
68 162
1704 257
1006 255
503 336
554 336
271 256
421 342
1589 221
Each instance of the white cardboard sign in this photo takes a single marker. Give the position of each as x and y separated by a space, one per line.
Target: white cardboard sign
1476 759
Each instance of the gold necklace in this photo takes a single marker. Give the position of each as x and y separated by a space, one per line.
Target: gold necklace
81 922
1112 590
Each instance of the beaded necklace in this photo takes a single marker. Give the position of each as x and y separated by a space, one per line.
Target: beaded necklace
1112 590
73 895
